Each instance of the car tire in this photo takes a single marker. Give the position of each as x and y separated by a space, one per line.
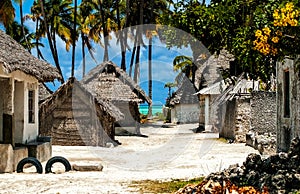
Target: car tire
56 159
30 160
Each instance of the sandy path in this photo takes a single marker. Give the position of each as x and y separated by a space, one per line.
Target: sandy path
167 153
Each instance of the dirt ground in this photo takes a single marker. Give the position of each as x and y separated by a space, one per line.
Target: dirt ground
167 153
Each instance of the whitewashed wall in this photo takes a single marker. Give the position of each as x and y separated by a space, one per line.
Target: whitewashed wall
185 113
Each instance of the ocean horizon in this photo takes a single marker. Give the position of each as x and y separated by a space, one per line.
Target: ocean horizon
155 109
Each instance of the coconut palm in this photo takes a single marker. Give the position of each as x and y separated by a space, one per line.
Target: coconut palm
86 17
120 35
170 85
20 2
74 35
7 13
55 18
17 33
186 65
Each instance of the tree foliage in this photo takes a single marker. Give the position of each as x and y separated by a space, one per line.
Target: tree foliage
233 25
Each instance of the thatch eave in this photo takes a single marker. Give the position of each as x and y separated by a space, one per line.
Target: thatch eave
106 106
14 57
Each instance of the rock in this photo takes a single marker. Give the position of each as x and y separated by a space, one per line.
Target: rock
296 181
87 167
294 147
252 178
253 161
279 173
278 182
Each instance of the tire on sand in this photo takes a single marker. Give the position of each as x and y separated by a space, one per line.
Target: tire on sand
56 159
30 160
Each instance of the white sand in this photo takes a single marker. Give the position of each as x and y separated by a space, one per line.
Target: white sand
168 153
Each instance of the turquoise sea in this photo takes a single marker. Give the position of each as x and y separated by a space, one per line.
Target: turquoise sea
155 109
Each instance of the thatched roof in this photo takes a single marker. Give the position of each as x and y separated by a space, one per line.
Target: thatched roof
44 92
209 72
110 82
185 93
62 91
14 57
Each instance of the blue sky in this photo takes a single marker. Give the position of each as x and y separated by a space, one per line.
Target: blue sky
162 60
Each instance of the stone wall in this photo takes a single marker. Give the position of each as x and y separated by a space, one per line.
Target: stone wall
243 118
237 119
263 112
256 113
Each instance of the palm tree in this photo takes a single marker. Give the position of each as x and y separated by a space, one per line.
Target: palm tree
16 32
148 14
186 65
150 59
139 35
74 38
7 13
56 20
120 36
170 85
86 16
105 31
20 2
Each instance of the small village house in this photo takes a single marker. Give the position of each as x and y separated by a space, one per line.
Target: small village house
209 119
288 102
210 85
235 103
184 103
20 73
72 116
109 82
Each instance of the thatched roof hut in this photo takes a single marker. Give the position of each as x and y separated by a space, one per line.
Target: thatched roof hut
14 57
109 82
185 94
73 116
184 103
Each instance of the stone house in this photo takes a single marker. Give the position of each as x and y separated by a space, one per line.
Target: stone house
109 82
288 102
73 116
238 103
184 103
20 74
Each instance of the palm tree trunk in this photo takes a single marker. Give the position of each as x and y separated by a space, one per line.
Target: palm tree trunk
123 50
139 32
74 39
54 54
150 75
37 37
22 26
150 62
136 77
137 58
133 54
105 32
83 54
